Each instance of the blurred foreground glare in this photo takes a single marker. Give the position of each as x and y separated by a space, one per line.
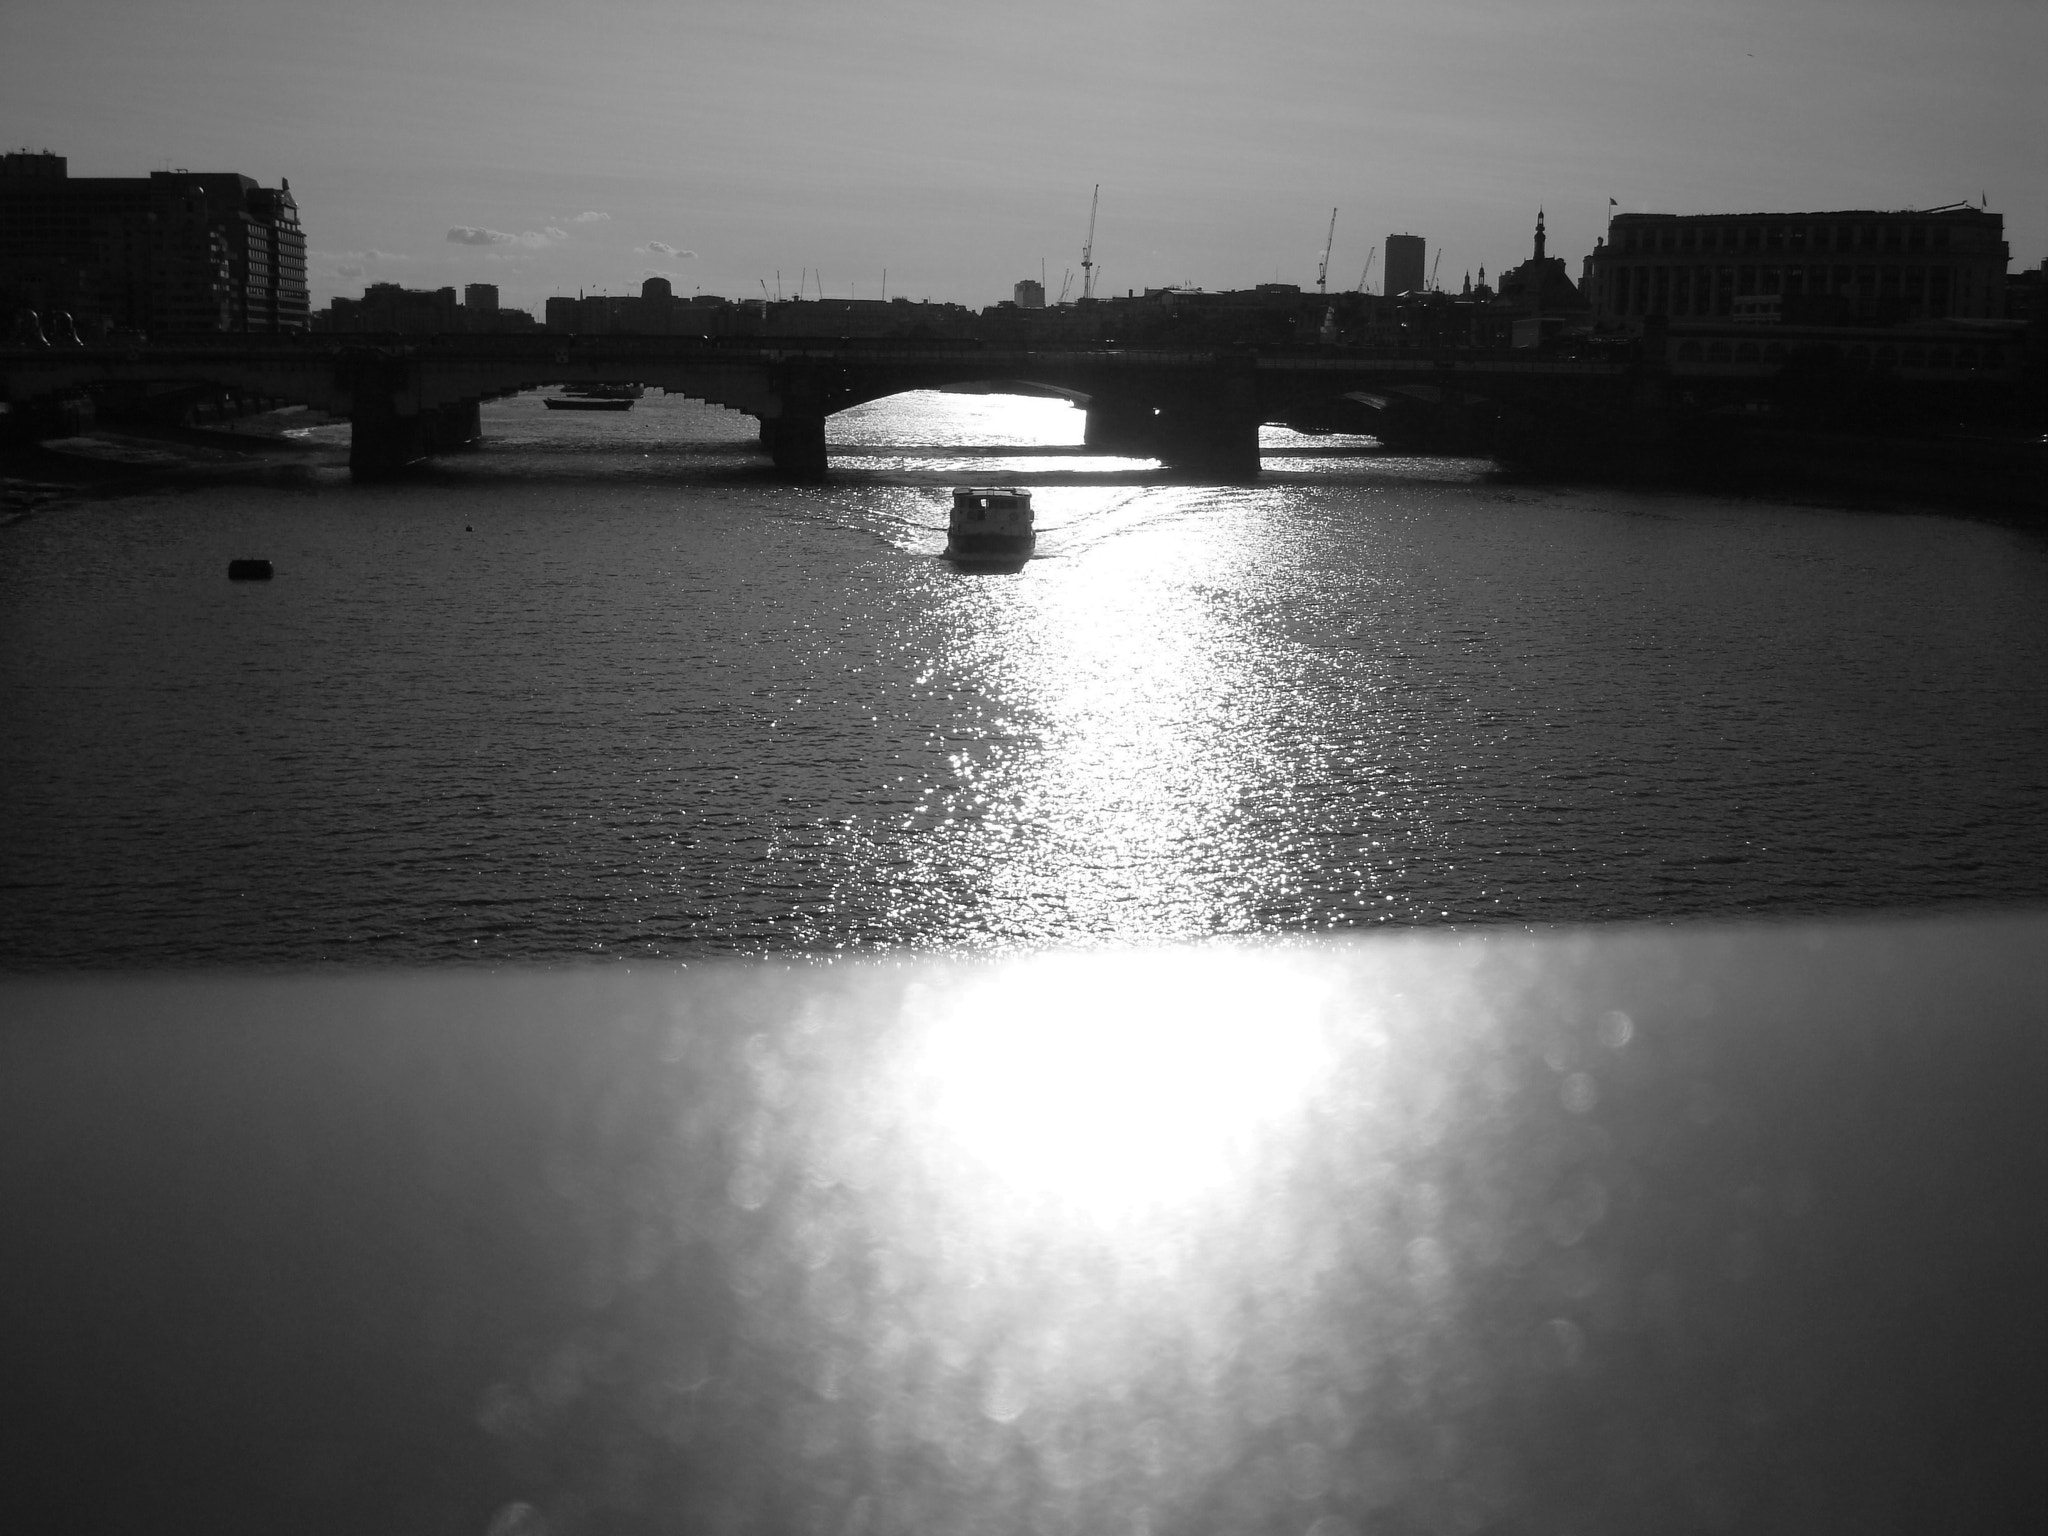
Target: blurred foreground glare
1707 1229
1104 1090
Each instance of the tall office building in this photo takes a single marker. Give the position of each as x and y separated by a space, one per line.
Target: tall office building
1406 272
482 298
174 251
1030 294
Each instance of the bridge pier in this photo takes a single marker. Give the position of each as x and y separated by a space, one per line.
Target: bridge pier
384 439
1213 437
1212 430
1408 425
382 442
1120 424
796 442
452 428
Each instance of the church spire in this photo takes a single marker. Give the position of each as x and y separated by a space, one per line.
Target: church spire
1539 234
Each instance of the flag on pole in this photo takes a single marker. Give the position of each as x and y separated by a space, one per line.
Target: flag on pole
1612 203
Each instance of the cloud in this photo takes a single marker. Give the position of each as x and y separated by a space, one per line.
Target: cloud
663 248
352 263
590 217
532 239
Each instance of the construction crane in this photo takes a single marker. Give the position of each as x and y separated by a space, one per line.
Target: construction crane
1323 272
1433 266
1066 282
1088 248
1367 272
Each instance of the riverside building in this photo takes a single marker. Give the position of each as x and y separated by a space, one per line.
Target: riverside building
1856 267
171 252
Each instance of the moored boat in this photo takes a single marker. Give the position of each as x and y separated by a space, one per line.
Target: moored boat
990 526
593 397
585 403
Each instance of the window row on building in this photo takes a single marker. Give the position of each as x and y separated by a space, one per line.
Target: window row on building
1784 234
1862 293
1834 268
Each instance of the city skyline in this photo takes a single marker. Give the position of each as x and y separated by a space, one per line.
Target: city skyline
957 150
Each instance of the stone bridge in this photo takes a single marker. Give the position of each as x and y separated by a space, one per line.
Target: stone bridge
1194 410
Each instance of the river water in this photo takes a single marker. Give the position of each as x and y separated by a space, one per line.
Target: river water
607 687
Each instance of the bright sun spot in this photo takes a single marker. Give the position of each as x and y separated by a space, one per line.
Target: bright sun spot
1118 1086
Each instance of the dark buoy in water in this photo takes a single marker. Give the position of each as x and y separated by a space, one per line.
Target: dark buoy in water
469 528
250 570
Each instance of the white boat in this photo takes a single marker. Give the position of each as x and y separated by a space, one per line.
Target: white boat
990 526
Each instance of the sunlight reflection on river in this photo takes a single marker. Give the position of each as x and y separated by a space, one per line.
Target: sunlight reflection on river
898 435
1145 697
1143 764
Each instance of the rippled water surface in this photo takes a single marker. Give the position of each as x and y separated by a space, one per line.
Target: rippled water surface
607 686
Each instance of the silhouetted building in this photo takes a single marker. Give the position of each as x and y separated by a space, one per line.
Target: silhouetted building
1539 298
2026 294
1855 267
657 312
1030 294
174 251
1542 285
653 311
388 309
1405 271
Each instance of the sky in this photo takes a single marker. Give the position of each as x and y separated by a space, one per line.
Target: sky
556 146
